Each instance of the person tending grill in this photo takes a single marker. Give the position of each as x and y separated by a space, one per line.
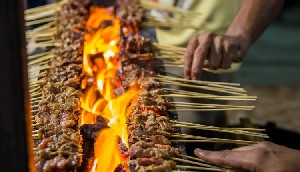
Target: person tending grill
103 103
222 47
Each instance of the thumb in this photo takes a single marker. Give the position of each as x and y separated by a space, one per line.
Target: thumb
229 158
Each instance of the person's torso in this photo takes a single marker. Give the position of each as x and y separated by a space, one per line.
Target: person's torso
217 15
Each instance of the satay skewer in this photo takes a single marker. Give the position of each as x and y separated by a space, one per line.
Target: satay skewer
43 8
192 138
197 163
42 14
42 34
203 87
39 55
200 125
207 110
41 59
40 68
225 98
44 28
239 132
40 21
37 76
169 92
34 89
198 168
210 106
201 82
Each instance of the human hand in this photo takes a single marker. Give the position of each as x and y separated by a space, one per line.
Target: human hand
220 51
261 157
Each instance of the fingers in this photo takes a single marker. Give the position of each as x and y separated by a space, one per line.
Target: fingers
230 158
189 54
200 55
216 52
228 53
220 50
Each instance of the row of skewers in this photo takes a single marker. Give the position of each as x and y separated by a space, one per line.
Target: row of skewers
55 93
153 135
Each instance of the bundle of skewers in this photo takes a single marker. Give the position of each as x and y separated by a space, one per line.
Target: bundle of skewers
154 137
131 11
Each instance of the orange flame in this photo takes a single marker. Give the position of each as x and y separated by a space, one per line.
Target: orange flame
100 62
108 161
106 148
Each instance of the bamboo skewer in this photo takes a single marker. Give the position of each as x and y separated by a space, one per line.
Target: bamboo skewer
43 14
200 125
190 157
33 90
43 8
207 110
35 135
41 39
34 103
202 87
172 65
40 68
180 94
187 138
192 93
40 21
45 33
172 55
200 164
35 83
35 94
212 141
208 97
41 44
198 168
234 92
40 63
200 82
38 75
39 55
240 132
199 105
34 106
35 98
43 28
32 85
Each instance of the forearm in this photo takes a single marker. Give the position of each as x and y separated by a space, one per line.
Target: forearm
253 18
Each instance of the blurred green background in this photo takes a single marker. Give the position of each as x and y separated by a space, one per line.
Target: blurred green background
275 58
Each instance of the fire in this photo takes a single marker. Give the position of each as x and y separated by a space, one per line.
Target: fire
109 160
100 64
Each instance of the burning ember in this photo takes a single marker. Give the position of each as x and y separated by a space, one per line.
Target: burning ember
100 64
